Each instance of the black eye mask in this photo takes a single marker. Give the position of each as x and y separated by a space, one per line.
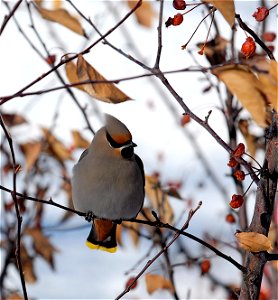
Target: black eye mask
127 152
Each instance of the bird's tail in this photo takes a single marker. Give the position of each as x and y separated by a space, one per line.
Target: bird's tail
102 236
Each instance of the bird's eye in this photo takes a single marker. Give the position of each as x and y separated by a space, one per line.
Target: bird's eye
127 152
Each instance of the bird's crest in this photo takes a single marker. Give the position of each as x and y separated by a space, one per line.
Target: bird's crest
117 130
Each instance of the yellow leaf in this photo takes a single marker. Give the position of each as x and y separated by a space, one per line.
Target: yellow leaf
31 152
56 147
78 140
144 14
253 241
242 83
62 17
155 282
226 7
106 92
42 245
159 199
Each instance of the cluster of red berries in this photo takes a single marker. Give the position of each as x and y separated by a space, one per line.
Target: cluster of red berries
178 18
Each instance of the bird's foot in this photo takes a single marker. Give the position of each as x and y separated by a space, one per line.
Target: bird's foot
89 216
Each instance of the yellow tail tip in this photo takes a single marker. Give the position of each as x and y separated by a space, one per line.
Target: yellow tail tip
102 248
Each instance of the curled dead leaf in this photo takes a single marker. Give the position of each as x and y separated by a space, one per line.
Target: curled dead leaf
144 14
62 17
155 282
158 199
78 140
31 151
106 92
27 265
13 119
226 8
244 84
42 245
253 241
56 147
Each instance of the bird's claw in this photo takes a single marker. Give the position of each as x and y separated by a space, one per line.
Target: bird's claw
89 216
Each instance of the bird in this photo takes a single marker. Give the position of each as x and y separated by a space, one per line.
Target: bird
108 183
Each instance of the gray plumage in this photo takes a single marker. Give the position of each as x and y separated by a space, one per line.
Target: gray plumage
106 183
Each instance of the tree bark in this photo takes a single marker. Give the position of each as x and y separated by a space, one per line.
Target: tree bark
264 205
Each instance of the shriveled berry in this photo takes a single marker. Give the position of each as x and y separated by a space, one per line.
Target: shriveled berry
261 14
129 282
185 119
179 4
239 175
175 21
232 162
237 201
239 150
248 47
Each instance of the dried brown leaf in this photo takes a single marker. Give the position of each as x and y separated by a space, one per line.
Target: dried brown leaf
253 241
133 229
159 199
71 72
13 119
242 83
249 138
27 265
31 151
78 140
144 14
42 245
226 7
56 147
62 17
15 296
106 92
269 85
155 282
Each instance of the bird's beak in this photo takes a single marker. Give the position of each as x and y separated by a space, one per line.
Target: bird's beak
133 144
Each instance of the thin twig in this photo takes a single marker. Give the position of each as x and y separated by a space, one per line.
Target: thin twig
255 36
87 50
159 35
8 17
18 216
150 262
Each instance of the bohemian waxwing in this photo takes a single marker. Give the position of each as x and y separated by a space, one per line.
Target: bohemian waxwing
108 183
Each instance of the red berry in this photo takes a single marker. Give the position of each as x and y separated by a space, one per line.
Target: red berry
177 20
237 201
248 47
230 218
261 14
129 282
185 119
179 4
269 36
205 266
51 59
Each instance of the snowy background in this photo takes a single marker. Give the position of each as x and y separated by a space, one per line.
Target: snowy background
79 272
